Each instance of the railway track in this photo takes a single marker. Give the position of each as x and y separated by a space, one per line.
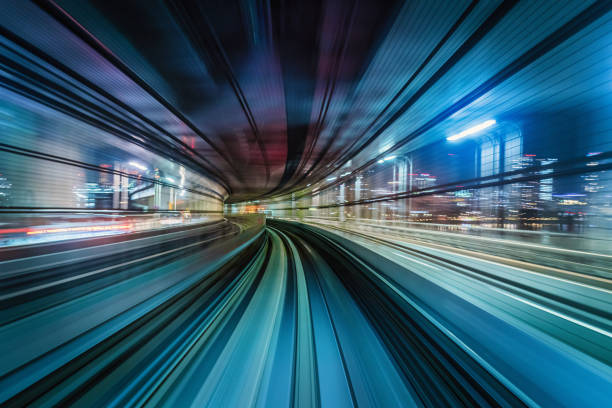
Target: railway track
289 315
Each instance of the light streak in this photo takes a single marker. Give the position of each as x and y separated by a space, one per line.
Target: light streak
137 165
80 229
475 129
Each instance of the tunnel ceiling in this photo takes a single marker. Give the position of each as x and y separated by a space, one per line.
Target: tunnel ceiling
265 97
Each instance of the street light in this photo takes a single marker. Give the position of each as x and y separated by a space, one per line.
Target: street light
410 174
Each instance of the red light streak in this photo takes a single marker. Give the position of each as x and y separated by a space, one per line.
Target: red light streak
94 228
14 230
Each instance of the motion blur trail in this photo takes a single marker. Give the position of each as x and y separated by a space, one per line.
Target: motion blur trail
290 315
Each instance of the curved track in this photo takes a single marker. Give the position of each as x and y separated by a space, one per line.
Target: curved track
286 316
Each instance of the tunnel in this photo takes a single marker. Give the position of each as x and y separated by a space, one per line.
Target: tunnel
316 203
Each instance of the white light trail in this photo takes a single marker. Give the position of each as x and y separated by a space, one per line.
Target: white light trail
137 165
484 125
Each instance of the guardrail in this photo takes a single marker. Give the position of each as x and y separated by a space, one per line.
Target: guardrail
569 252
